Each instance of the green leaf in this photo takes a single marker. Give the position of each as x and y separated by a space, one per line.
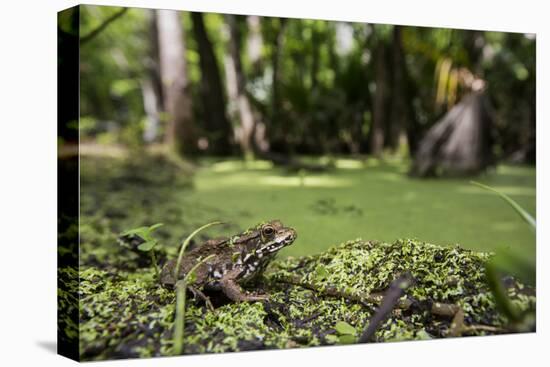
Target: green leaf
343 328
147 246
155 226
347 339
516 261
140 231
423 335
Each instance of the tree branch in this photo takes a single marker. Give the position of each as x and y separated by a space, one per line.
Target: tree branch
92 34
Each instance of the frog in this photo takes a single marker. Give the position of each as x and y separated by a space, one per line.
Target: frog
235 261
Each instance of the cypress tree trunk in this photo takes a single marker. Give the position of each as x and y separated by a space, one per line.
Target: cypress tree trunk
180 132
380 113
403 127
217 126
460 143
236 85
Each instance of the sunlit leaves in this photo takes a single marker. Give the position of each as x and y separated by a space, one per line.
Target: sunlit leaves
146 234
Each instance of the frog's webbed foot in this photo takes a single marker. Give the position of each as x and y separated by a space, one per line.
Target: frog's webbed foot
234 291
197 293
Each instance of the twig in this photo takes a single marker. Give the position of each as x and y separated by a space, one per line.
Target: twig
331 291
391 298
102 26
457 325
437 308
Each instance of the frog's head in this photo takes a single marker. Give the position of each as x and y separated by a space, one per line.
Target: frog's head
273 237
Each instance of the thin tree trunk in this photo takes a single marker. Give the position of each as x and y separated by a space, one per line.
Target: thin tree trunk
403 122
380 117
216 123
255 44
275 118
180 132
151 85
255 40
150 105
236 85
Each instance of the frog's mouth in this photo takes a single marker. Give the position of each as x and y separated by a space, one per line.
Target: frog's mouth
278 242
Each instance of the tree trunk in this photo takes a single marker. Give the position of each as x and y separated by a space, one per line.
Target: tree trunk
151 85
180 131
255 41
150 106
276 115
236 85
380 115
216 124
403 122
460 143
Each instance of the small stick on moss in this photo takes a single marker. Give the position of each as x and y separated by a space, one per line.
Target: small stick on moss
457 325
437 308
444 309
331 291
389 302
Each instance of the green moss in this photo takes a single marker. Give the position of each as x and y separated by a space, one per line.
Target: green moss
127 314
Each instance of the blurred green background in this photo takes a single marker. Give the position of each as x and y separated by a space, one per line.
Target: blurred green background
187 118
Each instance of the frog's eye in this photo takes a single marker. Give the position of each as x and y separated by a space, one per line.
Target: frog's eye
268 231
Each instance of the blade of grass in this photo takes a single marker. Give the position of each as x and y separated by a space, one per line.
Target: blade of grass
186 243
523 214
179 323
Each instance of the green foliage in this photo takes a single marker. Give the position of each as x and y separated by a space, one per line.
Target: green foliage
112 66
145 233
325 94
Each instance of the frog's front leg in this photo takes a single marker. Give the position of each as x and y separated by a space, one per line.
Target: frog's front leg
233 290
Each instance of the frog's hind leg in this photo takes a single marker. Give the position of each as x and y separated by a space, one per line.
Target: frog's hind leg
197 293
234 291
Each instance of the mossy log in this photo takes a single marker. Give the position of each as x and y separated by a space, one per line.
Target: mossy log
322 299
